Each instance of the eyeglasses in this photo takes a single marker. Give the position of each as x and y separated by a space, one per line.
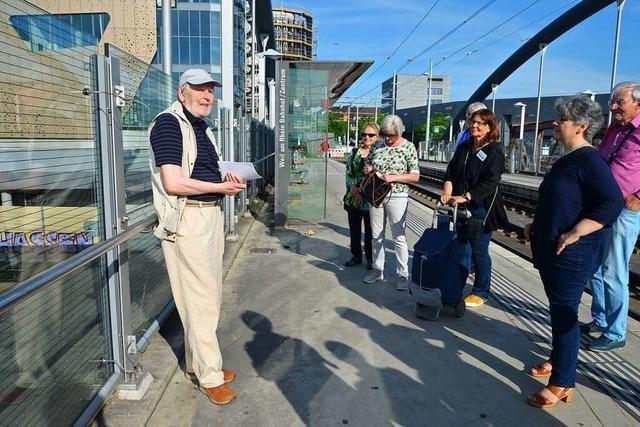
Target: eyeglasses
388 135
475 122
618 102
370 135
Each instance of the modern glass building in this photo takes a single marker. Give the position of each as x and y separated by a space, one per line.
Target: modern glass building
195 38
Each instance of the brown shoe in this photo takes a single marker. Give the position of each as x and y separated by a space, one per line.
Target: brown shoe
227 374
220 395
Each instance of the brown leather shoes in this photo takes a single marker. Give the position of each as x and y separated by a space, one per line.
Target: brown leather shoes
220 395
227 374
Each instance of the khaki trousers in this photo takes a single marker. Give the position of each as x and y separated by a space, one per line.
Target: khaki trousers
194 264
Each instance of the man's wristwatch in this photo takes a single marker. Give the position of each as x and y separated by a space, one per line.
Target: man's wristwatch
466 197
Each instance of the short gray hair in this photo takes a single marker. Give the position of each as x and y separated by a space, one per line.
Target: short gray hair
476 106
634 87
582 110
392 125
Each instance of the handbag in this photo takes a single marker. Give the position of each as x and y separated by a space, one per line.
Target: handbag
374 188
474 227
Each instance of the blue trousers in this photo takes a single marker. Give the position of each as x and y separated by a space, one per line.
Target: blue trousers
476 250
564 277
610 284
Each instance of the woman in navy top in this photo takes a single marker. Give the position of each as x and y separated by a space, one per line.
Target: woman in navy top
578 200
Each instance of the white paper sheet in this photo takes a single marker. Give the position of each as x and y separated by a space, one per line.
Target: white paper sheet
245 170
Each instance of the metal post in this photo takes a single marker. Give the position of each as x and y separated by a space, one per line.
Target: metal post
357 123
166 36
243 158
428 128
375 114
394 95
253 56
272 103
348 125
614 66
450 129
537 157
494 89
261 93
227 50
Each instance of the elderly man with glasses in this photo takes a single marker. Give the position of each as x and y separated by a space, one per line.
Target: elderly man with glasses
610 285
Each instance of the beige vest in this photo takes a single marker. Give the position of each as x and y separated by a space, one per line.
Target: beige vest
169 208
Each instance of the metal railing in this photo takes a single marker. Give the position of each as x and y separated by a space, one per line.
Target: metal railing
82 291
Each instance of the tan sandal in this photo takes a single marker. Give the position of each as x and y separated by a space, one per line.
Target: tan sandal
546 398
542 370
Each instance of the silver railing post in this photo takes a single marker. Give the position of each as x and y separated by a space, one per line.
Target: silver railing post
116 222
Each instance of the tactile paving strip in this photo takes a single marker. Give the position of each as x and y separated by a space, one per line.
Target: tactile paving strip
610 372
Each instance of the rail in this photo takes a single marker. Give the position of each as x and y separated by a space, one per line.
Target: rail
26 288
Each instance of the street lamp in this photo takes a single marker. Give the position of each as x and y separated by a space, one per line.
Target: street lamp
523 107
512 163
591 94
494 89
269 53
537 156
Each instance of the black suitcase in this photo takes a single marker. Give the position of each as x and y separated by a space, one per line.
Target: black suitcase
435 270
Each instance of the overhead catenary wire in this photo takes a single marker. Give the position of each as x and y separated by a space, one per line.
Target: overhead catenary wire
469 53
441 39
415 27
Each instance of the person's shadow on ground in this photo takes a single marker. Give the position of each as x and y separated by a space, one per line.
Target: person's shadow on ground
299 371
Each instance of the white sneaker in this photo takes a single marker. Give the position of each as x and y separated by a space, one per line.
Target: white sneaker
373 277
402 284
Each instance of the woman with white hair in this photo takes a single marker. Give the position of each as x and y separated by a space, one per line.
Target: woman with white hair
397 160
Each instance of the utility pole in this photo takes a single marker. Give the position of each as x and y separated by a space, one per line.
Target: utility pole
375 116
394 95
166 36
615 49
357 123
348 124
428 128
537 156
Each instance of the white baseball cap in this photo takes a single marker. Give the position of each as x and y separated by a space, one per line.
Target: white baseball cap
196 76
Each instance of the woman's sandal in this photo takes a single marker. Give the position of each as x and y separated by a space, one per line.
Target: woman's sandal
542 370
546 398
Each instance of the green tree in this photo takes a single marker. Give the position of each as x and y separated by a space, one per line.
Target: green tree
337 126
439 128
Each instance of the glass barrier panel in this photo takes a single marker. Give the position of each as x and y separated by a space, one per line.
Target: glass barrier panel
308 141
149 91
51 347
149 284
50 182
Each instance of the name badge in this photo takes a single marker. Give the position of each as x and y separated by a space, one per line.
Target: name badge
481 155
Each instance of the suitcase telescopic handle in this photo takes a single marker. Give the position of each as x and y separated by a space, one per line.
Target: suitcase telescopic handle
448 211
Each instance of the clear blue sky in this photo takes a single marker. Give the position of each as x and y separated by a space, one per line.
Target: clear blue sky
372 29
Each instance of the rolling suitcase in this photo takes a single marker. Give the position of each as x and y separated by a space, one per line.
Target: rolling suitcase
435 271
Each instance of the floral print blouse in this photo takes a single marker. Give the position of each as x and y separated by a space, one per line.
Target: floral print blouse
354 176
395 161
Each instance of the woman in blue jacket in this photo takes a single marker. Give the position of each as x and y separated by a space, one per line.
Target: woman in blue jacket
578 200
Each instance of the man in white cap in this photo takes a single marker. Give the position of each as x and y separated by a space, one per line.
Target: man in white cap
188 190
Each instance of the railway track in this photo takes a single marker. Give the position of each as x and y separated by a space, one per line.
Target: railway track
520 202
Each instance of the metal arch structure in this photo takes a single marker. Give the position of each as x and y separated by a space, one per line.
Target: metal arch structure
548 34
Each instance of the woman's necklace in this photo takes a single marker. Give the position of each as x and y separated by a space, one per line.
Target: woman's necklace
476 149
584 144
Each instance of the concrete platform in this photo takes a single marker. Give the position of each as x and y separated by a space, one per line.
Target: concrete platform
313 345
521 179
